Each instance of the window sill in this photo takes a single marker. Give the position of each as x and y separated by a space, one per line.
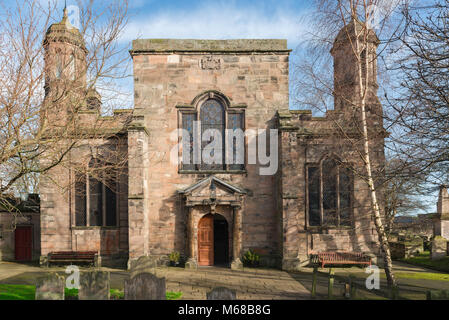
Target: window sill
323 229
95 228
212 172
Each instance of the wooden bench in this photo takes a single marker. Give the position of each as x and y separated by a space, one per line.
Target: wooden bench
74 257
340 258
333 259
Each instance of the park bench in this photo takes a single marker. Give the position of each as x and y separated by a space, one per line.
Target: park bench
74 257
335 259
340 258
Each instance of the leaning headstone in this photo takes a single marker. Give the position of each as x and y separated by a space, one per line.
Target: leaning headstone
414 246
397 250
439 248
50 287
221 293
143 264
94 285
145 286
438 295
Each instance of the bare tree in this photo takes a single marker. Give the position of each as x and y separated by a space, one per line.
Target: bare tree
404 189
319 87
422 99
41 94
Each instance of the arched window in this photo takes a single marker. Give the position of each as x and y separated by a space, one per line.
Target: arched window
213 138
330 186
72 67
95 197
212 135
58 68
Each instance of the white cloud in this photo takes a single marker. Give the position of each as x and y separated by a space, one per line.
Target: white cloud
218 22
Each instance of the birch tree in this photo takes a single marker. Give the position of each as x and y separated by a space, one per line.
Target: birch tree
315 88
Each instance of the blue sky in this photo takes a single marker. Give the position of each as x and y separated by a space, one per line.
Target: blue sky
216 19
212 19
232 19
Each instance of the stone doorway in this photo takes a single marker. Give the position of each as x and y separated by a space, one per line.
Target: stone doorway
213 240
214 223
221 240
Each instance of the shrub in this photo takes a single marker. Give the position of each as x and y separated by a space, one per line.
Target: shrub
251 259
175 258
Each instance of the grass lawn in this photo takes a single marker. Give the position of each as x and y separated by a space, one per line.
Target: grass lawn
23 292
17 292
423 260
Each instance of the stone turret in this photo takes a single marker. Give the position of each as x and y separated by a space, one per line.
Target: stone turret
346 69
65 53
65 71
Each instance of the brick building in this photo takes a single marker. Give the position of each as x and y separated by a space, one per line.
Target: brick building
213 213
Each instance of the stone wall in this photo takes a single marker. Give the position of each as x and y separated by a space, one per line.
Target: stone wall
253 75
307 140
7 234
57 190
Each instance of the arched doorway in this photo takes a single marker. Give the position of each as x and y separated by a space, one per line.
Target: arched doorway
213 240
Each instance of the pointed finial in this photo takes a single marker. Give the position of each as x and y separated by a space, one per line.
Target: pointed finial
65 10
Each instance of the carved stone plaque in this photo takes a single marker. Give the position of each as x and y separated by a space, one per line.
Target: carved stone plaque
210 63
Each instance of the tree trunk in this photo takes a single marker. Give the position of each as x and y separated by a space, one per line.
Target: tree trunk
363 89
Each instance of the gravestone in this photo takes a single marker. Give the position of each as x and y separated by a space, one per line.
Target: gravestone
439 248
145 286
222 293
438 295
441 227
94 285
397 250
50 287
143 264
414 246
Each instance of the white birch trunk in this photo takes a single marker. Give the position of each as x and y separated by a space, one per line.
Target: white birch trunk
363 90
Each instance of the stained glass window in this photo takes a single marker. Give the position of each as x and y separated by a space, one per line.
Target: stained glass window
187 141
211 151
330 194
330 168
100 197
213 118
111 204
314 196
80 201
345 196
235 123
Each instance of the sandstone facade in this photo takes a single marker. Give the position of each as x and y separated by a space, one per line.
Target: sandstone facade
161 206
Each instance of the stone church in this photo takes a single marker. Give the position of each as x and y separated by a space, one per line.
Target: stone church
212 213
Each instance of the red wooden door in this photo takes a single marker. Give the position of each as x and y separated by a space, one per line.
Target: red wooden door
23 243
206 241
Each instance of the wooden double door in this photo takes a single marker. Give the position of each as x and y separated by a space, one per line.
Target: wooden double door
213 240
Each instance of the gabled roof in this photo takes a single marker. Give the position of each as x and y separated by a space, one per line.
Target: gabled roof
212 179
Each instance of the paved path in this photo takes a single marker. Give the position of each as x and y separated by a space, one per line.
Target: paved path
254 284
260 284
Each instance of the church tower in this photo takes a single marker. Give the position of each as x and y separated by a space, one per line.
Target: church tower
65 71
346 70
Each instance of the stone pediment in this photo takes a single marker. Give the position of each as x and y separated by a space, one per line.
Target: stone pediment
213 190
